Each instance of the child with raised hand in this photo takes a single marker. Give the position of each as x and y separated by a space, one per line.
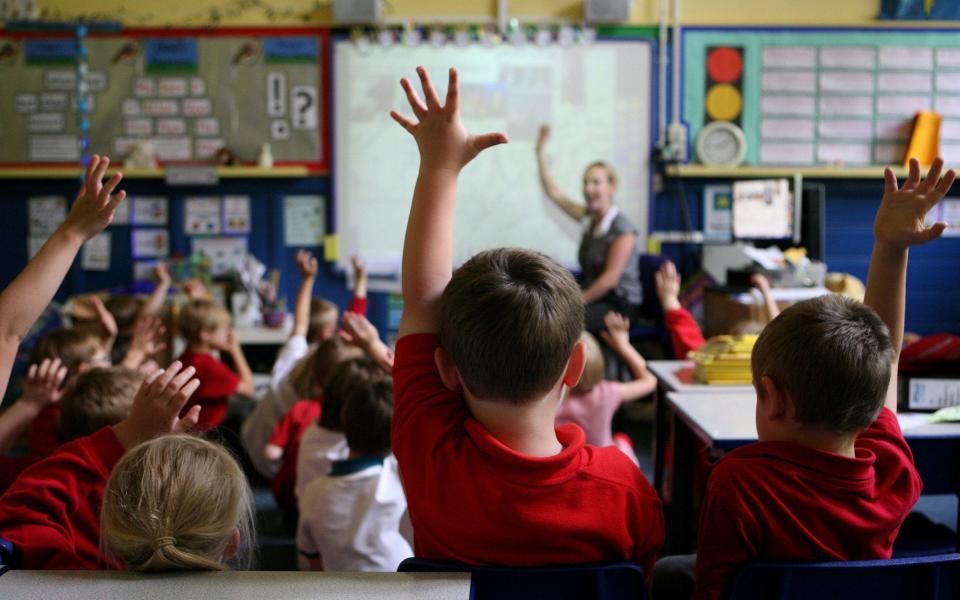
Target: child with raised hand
832 477
593 401
24 299
51 513
480 370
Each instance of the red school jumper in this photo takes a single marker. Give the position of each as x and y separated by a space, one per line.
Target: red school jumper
473 500
217 384
685 334
784 501
52 511
287 435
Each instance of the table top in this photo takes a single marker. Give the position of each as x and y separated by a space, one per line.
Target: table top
263 585
677 376
263 335
728 420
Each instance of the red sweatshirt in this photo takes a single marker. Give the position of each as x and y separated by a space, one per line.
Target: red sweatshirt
684 332
52 511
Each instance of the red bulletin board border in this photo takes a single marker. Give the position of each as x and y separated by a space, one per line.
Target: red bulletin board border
323 61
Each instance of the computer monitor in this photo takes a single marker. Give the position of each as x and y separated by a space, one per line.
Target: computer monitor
770 221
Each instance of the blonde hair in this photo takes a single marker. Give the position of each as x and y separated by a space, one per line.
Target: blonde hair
174 504
611 172
323 314
97 398
73 347
594 368
312 374
201 315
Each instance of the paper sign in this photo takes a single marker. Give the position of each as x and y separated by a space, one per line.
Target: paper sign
161 108
149 210
788 81
171 126
172 148
304 107
280 129
207 126
950 214
60 80
304 222
717 212
26 103
150 243
96 253
46 123
902 105
857 129
121 216
197 107
276 94
198 87
225 254
905 82
202 215
788 129
144 87
172 87
786 154
789 56
138 126
915 59
841 81
96 80
848 58
788 105
46 213
843 106
236 214
208 147
53 148
131 108
331 247
53 101
762 209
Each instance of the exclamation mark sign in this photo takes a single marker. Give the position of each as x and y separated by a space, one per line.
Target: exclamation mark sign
276 94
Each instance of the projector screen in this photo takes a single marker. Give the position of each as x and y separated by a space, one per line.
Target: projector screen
596 97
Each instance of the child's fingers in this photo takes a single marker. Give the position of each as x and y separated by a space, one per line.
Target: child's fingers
32 371
109 187
486 140
188 421
100 171
606 337
430 94
914 177
181 379
453 92
944 186
91 169
404 122
932 178
933 232
61 375
413 98
889 181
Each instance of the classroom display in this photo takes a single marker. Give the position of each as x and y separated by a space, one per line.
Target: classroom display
814 97
595 97
188 93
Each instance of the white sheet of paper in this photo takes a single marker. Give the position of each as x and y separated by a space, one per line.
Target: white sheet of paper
950 214
917 59
846 106
150 243
96 253
888 154
150 210
45 214
950 153
172 148
948 57
846 154
788 81
893 129
762 209
789 56
236 214
905 82
54 148
717 212
948 82
855 129
902 105
202 215
225 253
787 129
803 106
304 221
778 153
948 106
950 130
847 57
841 81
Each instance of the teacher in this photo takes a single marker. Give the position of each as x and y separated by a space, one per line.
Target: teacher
608 253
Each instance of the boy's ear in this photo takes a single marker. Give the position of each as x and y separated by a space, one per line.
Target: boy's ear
448 371
575 364
772 399
233 546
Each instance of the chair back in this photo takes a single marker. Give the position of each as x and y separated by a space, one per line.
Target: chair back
608 581
921 578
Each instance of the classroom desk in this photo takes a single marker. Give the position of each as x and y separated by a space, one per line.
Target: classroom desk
724 421
675 376
263 585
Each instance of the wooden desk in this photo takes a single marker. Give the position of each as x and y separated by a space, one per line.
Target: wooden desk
230 585
725 421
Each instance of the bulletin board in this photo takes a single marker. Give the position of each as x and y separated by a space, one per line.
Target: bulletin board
188 91
812 97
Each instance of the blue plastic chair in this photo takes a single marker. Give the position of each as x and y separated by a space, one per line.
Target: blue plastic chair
608 581
922 578
7 555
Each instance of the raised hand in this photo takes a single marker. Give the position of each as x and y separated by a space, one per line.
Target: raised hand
357 330
95 204
668 286
542 137
157 405
107 321
147 334
900 219
443 141
307 264
43 384
162 273
617 333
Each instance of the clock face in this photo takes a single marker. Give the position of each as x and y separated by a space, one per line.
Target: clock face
721 143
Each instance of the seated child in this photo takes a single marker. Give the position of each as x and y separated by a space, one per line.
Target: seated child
592 402
831 477
481 367
177 503
51 513
292 377
684 331
206 327
350 517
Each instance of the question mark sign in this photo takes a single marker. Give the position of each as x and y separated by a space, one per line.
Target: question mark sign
305 107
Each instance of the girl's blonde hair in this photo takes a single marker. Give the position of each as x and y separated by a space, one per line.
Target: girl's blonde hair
594 368
174 504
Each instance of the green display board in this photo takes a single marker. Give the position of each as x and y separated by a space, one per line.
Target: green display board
188 92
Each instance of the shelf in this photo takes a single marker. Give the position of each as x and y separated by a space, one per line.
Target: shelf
746 172
242 172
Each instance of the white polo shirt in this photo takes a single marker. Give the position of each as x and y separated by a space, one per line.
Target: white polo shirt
319 448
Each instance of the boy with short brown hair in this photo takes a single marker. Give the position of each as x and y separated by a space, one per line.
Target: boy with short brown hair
483 361
95 399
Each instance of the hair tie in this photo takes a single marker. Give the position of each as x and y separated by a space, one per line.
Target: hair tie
164 541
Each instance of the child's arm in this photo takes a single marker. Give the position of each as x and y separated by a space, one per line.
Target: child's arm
156 407
550 187
307 265
617 336
684 332
41 388
145 342
25 298
108 324
246 386
358 304
445 148
155 302
361 332
898 225
769 304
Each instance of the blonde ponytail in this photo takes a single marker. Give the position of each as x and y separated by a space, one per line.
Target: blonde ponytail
176 503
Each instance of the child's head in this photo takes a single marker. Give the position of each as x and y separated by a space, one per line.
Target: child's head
593 368
125 309
831 356
77 350
349 375
311 375
204 321
323 320
177 503
366 415
97 398
509 320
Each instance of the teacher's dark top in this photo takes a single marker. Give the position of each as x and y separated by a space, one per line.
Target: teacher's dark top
594 247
